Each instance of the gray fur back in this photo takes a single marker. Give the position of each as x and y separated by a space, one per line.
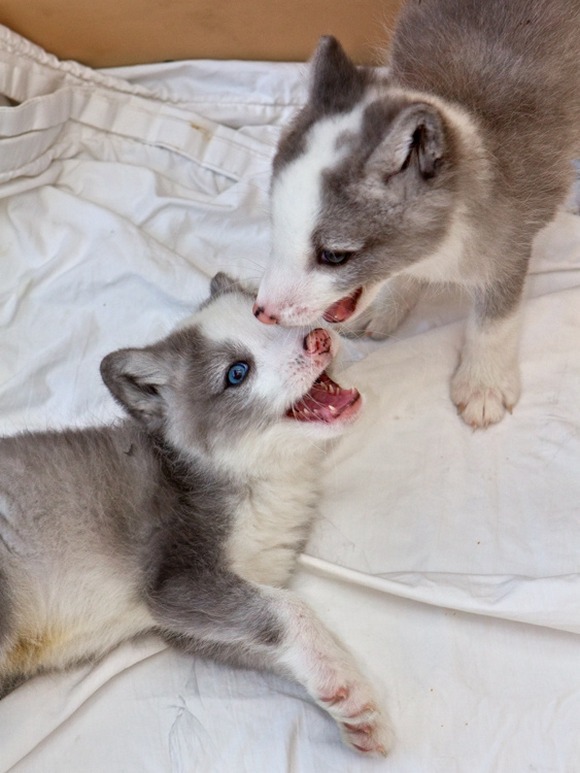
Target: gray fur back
515 65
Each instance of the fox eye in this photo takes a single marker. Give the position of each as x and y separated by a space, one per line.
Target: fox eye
333 257
237 373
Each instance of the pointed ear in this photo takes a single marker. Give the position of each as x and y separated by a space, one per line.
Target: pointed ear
224 283
137 379
336 84
417 137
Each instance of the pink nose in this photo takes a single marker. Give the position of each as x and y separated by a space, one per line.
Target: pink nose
261 314
318 341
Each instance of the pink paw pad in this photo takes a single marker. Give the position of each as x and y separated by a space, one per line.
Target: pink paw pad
365 711
365 729
340 695
365 740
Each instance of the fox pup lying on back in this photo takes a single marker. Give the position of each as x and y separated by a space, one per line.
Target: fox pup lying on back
187 517
442 171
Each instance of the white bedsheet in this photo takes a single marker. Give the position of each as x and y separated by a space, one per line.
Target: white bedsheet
448 560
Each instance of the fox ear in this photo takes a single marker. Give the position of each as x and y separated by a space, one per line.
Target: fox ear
336 84
223 283
138 380
417 138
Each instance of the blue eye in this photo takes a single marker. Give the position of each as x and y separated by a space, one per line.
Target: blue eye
237 373
333 257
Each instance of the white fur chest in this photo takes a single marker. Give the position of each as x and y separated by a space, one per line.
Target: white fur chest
274 519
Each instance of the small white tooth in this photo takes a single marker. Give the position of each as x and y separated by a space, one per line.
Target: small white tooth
332 409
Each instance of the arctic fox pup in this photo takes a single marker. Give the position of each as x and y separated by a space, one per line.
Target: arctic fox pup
442 171
186 517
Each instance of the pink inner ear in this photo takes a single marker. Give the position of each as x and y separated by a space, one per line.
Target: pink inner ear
344 308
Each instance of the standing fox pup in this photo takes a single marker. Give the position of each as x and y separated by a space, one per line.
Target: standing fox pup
441 171
187 517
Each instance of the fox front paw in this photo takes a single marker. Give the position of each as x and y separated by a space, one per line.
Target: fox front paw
480 403
362 725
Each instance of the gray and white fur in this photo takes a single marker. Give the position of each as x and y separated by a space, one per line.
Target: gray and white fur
441 171
184 519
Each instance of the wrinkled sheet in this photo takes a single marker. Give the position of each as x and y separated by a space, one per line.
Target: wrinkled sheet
448 560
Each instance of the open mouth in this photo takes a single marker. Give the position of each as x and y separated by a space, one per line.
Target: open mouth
341 310
325 401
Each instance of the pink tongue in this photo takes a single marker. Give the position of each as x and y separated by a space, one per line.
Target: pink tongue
344 308
320 401
321 404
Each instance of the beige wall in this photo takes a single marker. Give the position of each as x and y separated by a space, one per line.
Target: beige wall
113 32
